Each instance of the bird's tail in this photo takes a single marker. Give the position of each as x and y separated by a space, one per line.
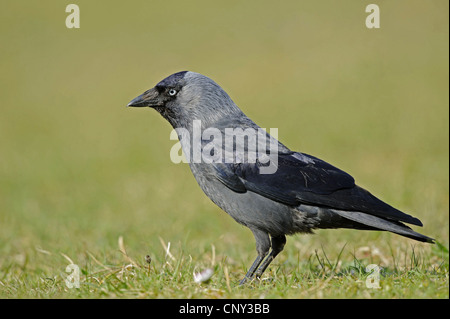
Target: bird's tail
378 223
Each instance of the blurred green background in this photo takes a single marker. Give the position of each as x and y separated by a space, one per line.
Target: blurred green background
78 169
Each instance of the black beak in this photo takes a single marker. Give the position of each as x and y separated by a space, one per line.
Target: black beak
149 98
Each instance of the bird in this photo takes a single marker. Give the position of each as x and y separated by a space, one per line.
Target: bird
270 189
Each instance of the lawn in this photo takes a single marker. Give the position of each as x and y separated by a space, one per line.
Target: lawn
85 181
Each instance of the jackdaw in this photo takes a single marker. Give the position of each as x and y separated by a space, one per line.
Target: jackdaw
301 194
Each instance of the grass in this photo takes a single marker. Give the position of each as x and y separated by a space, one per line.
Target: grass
169 274
79 171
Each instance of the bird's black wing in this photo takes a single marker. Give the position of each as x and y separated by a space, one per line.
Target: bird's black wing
304 179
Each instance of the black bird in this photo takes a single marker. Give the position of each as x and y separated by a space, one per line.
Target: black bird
263 185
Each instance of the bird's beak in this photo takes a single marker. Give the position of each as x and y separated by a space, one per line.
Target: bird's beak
149 98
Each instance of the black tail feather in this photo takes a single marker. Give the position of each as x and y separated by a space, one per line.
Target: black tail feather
383 224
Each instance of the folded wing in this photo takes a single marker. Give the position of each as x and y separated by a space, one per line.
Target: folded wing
304 179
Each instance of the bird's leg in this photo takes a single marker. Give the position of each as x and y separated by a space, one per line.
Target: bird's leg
252 269
278 243
262 247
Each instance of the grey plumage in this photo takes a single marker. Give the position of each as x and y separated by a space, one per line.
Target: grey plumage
303 194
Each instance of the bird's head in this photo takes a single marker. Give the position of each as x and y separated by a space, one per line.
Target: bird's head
186 96
165 92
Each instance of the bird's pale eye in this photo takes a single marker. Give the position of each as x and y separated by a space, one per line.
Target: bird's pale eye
172 92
